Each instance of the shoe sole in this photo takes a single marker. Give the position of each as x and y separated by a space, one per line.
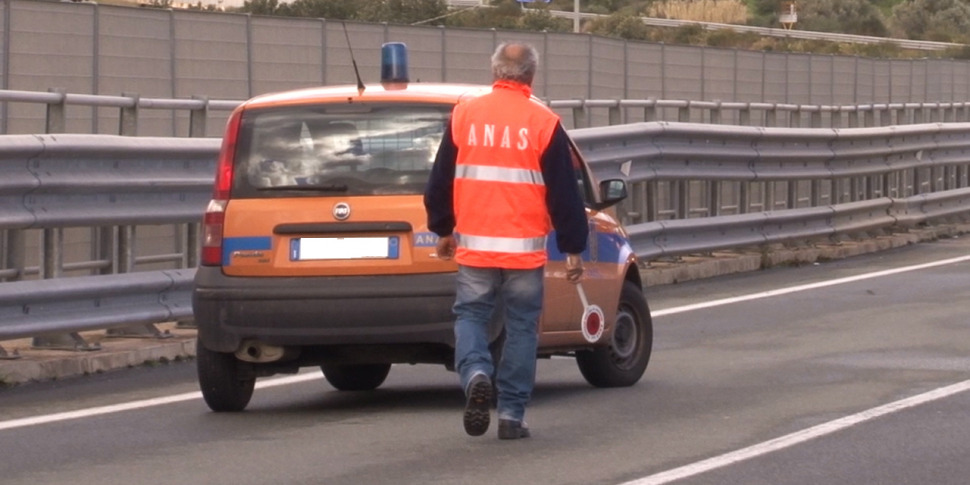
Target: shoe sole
476 417
513 434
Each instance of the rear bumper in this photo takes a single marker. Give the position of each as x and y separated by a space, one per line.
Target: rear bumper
316 311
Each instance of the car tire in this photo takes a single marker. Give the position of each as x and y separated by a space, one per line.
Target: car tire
360 377
225 383
625 359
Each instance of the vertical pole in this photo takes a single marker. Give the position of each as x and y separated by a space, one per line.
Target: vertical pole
95 64
15 241
5 75
173 65
444 53
576 26
128 119
249 54
323 51
56 117
198 117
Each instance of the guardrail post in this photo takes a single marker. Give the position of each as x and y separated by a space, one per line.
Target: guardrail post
650 110
771 116
198 117
683 113
579 116
683 198
191 253
714 205
816 118
792 194
885 116
918 115
652 200
128 119
614 114
835 118
56 120
715 116
15 241
744 115
816 193
744 197
901 116
769 193
126 263
949 114
636 213
51 267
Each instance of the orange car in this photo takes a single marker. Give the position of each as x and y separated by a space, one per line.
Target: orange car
316 250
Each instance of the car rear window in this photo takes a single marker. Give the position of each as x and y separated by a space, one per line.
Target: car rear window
359 149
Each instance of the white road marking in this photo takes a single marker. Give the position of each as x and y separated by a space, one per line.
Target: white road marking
816 431
810 286
145 403
798 437
282 381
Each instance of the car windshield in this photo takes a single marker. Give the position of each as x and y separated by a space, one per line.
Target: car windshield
351 149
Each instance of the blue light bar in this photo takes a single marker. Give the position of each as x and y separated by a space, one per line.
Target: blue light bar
394 63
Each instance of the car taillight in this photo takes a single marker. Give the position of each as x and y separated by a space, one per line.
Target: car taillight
212 222
215 213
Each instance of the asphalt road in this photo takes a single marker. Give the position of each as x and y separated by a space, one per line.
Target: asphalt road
855 371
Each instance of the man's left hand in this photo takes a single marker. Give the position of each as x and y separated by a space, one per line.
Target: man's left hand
574 268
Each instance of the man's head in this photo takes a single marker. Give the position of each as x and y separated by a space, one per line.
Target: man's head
515 61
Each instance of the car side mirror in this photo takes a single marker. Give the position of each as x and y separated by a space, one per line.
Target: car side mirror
612 191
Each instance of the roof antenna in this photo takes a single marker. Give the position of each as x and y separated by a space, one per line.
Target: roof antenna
360 84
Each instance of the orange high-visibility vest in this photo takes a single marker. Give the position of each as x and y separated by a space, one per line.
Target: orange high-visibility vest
500 198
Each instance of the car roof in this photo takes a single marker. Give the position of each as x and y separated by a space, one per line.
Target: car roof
448 93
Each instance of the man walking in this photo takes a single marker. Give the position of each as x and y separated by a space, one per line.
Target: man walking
502 180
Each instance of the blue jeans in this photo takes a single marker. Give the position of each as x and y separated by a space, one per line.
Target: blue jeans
521 295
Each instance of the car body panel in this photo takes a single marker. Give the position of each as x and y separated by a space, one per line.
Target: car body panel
279 281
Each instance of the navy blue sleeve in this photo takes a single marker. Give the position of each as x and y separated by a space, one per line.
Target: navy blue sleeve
438 194
563 199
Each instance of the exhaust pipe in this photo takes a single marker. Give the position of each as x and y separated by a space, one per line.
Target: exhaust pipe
258 352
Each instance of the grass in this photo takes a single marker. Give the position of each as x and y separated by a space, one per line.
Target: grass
719 11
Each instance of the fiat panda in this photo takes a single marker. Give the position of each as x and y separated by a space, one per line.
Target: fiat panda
316 250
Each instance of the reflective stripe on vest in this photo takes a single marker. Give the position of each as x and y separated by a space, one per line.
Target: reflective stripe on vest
499 174
502 244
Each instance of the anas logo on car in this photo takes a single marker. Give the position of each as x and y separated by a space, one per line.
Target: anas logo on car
341 211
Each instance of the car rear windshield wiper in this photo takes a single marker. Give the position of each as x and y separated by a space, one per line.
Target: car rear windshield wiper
308 187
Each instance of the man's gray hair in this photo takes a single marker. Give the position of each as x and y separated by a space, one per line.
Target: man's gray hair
515 61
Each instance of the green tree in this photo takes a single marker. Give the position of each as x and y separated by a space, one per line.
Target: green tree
262 7
402 11
542 20
858 17
764 12
942 20
624 26
508 15
328 9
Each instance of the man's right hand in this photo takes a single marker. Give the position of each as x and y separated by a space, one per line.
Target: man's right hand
574 268
445 248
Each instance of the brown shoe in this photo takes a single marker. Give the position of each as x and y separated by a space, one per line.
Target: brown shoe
510 429
477 402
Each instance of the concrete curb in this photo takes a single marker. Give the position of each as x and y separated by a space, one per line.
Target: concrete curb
33 365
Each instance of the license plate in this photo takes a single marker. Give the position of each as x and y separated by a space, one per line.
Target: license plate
323 248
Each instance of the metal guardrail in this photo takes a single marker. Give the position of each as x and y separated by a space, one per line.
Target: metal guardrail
582 111
694 188
773 32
